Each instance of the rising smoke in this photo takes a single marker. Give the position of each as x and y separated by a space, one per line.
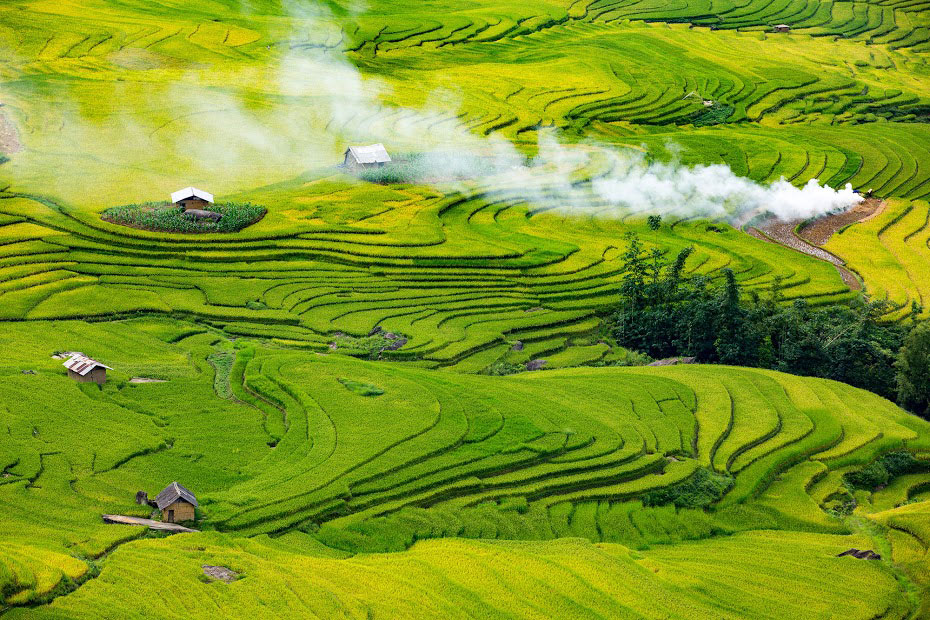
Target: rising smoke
301 108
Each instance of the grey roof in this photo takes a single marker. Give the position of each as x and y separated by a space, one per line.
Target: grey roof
191 192
81 364
371 154
172 493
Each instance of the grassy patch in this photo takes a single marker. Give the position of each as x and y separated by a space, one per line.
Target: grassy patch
166 217
362 389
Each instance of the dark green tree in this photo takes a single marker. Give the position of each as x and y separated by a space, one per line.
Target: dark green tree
913 368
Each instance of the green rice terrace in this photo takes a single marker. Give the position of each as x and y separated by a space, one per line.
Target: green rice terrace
396 383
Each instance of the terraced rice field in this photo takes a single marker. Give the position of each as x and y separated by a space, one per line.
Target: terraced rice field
311 471
319 373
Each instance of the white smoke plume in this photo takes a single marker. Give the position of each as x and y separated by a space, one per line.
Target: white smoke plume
301 108
715 191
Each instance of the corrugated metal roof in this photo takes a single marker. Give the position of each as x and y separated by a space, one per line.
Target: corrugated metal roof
81 364
371 154
191 192
172 493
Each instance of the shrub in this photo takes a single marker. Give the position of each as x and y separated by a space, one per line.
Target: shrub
703 488
885 469
362 389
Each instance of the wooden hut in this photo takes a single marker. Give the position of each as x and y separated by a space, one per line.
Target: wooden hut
371 156
82 368
176 504
782 28
192 198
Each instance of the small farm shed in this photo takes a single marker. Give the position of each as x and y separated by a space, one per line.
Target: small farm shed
82 368
176 504
782 28
192 198
371 156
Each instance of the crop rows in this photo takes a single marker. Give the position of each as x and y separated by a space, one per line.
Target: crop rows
425 454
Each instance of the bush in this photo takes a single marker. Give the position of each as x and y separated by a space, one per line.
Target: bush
872 476
885 469
362 389
166 217
703 488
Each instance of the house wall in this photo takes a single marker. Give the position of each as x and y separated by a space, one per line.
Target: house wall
182 512
193 203
97 375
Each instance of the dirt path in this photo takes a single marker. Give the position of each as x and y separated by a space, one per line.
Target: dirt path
150 523
820 230
782 232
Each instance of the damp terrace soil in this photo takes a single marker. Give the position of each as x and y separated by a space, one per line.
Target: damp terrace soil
782 232
820 230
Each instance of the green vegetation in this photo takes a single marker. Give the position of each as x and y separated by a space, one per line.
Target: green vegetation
166 217
633 457
345 378
666 313
362 389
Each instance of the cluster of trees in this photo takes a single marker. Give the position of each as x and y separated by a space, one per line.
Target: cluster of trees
665 312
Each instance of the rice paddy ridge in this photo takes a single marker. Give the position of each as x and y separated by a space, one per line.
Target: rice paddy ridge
490 267
509 458
891 253
671 477
571 577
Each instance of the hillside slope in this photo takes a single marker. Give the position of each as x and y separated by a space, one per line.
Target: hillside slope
633 457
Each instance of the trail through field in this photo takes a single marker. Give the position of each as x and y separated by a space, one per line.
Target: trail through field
819 231
783 233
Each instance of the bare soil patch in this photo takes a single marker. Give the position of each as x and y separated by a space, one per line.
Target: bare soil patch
147 380
9 136
782 232
820 230
220 573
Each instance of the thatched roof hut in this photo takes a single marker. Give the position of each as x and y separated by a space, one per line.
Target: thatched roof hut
176 503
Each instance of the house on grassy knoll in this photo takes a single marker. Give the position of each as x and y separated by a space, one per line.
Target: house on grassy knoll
176 504
82 368
782 28
192 198
371 156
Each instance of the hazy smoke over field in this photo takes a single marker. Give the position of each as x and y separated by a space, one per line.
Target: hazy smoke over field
302 105
449 151
714 191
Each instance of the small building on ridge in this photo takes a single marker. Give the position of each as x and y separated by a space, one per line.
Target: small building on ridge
84 369
782 28
176 503
192 198
371 156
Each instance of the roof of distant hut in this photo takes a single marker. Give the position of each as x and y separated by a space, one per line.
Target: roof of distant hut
371 154
81 364
172 493
191 192
782 26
